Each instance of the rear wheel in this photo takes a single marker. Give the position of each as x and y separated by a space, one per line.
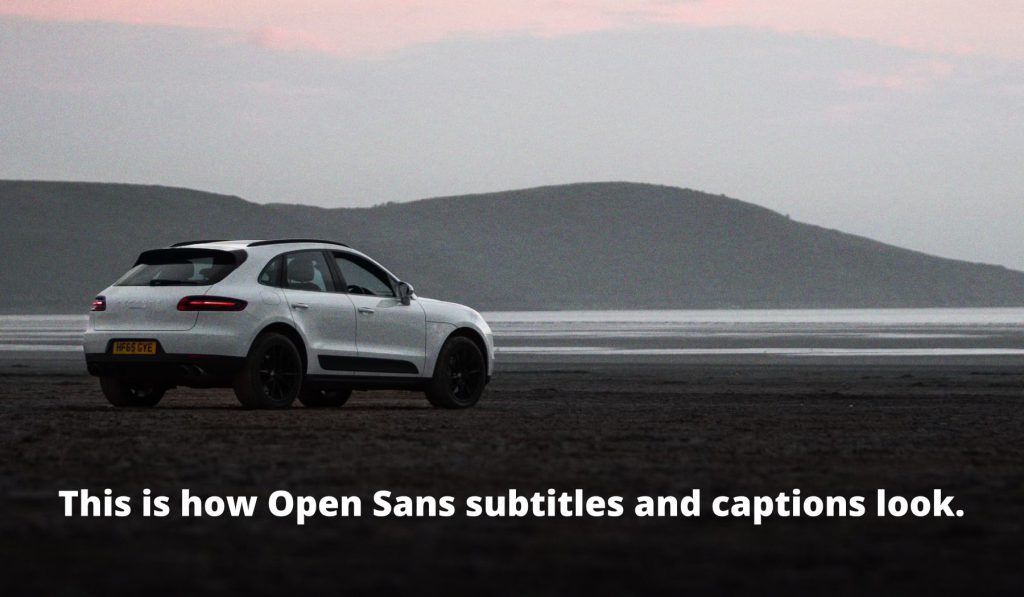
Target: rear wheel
314 398
272 374
459 375
123 393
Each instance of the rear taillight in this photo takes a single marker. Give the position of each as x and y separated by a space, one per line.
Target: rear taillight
99 304
210 303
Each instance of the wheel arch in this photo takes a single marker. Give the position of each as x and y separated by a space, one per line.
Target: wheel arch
291 333
476 337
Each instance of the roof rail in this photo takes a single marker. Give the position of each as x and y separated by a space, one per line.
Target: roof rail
282 241
198 242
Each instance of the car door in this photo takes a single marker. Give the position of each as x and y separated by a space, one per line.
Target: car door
390 336
326 318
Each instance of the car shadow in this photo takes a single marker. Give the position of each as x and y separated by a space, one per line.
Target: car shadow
223 407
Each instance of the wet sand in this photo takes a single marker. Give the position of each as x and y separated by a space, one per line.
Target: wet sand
726 428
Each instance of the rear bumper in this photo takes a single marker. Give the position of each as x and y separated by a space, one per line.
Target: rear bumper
204 357
193 370
205 341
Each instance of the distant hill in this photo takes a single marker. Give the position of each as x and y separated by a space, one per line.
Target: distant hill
580 246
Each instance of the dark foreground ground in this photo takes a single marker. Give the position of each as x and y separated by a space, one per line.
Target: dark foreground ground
728 430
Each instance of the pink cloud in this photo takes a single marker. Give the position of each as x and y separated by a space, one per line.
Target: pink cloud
366 27
986 27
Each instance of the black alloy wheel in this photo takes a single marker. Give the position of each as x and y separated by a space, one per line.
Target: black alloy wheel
279 373
272 374
459 376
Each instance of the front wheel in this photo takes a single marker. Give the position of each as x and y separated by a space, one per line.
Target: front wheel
272 374
124 393
459 375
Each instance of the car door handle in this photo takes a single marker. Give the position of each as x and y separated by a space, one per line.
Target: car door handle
366 310
300 306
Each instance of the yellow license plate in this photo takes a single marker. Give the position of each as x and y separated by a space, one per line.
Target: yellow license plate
134 347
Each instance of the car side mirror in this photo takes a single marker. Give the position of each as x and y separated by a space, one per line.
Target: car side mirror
405 292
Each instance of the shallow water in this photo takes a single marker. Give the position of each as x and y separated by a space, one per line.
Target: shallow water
795 333
792 332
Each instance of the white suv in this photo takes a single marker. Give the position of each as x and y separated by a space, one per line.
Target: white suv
279 320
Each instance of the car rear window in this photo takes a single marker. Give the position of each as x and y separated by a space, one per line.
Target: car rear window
182 267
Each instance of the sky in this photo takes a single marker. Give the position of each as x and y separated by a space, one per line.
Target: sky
901 121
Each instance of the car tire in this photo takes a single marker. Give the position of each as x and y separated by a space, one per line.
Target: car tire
317 398
460 375
271 376
139 394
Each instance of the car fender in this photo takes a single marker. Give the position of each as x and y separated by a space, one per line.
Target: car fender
451 317
437 333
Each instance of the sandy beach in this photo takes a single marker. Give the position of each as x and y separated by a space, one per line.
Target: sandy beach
628 430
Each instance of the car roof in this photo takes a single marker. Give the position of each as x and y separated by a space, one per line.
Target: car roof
243 244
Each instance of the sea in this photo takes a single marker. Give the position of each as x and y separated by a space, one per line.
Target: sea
660 335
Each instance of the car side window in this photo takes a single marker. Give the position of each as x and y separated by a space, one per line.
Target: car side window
306 270
271 274
362 277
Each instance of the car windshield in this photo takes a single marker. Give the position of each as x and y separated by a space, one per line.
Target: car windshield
181 267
